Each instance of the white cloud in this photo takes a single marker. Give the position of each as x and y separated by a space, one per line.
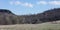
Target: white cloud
30 5
20 3
27 4
49 2
17 3
11 3
42 2
54 2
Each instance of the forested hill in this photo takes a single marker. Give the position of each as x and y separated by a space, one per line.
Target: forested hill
46 16
7 17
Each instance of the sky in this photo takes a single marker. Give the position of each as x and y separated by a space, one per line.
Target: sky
26 7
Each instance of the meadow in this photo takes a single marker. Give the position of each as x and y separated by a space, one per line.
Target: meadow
43 26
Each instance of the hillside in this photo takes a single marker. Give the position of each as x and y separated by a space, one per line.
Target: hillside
7 17
47 16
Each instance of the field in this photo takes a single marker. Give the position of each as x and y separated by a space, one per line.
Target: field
43 26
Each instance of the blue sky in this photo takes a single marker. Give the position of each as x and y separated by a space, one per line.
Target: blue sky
24 7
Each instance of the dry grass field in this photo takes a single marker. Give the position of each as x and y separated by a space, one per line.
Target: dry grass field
43 26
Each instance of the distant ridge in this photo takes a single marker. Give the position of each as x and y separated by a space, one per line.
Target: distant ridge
5 11
46 16
8 18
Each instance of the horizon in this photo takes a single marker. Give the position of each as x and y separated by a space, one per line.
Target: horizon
26 7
